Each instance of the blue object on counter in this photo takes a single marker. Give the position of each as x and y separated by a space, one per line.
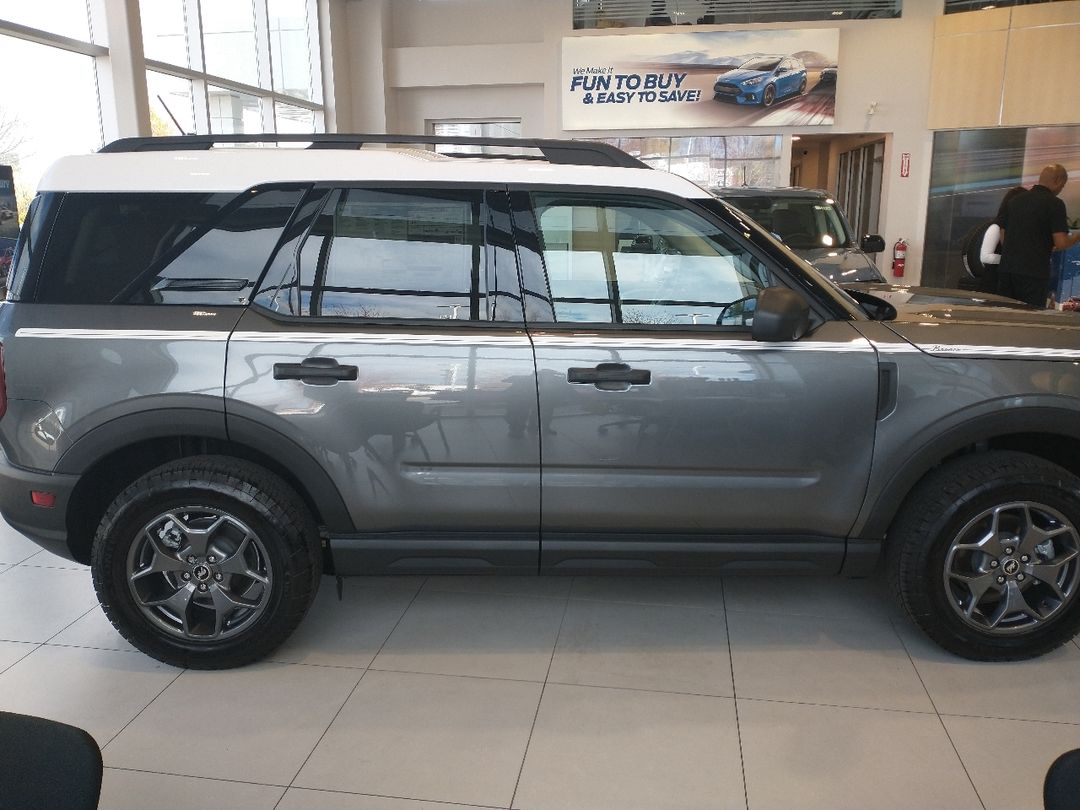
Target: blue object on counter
1065 270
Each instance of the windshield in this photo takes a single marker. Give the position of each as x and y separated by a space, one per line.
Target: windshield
803 224
761 64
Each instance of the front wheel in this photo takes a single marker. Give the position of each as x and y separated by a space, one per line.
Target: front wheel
769 96
207 562
985 556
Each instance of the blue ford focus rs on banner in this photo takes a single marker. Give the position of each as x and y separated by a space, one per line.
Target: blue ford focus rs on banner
762 80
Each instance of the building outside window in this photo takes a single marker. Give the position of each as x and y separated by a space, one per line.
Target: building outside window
213 66
711 161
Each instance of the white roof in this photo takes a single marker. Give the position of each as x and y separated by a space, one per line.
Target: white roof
238 169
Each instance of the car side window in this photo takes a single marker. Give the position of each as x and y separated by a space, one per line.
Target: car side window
626 260
396 254
102 243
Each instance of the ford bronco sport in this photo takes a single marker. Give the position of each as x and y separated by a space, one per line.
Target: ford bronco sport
228 372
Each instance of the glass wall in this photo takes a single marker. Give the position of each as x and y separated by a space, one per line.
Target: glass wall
711 161
970 173
221 66
55 114
475 129
953 6
637 13
249 66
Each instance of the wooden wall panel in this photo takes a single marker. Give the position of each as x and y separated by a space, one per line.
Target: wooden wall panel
1017 66
1042 77
965 89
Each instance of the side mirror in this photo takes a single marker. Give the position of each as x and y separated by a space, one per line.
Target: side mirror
780 315
872 243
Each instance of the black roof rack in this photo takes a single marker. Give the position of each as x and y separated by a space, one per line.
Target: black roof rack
576 153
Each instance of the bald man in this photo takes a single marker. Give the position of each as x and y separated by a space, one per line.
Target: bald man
1033 226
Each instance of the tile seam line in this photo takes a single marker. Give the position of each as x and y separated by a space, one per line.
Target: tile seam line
195 776
36 646
540 699
838 706
391 796
348 697
735 698
941 719
139 713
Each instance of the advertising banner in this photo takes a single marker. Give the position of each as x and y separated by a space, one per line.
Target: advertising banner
714 79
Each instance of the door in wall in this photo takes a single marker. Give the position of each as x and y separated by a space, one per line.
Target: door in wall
858 185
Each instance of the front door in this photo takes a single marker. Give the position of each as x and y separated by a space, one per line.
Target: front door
669 437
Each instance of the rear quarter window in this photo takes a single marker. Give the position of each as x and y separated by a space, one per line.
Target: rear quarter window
161 248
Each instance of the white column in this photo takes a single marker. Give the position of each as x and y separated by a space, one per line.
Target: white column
125 108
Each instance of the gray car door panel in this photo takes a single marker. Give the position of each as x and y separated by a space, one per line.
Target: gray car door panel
727 436
661 427
426 425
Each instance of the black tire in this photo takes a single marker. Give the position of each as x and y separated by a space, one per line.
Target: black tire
250 523
769 96
946 507
802 86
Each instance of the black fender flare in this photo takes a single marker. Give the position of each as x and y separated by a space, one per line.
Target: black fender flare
880 509
163 423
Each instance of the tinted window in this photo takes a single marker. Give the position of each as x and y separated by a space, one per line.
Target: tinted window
100 243
219 266
27 248
391 254
635 261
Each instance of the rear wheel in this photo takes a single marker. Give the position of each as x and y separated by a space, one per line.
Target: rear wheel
985 556
208 562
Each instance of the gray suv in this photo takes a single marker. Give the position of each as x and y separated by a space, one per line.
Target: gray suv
227 373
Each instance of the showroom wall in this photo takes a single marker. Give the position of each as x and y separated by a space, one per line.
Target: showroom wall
475 59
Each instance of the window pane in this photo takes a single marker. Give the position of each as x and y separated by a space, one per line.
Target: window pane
219 267
229 40
101 242
171 109
233 113
641 261
475 129
290 119
54 115
720 160
164 31
290 55
397 255
65 17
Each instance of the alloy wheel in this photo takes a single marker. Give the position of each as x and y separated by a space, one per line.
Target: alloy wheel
199 574
1013 568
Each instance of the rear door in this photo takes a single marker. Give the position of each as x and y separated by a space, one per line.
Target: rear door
669 436
388 341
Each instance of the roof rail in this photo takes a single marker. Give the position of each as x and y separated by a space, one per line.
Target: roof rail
577 153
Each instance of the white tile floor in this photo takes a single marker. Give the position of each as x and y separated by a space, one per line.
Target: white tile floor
590 693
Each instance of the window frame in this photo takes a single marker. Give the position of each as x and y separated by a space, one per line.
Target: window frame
824 305
268 290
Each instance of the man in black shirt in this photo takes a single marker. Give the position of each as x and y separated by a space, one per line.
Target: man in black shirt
1033 225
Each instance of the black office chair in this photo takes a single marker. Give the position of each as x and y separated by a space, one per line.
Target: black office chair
1061 789
45 765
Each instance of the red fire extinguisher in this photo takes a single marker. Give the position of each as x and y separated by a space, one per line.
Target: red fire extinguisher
899 257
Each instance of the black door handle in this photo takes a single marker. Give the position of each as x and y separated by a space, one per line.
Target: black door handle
315 371
610 376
